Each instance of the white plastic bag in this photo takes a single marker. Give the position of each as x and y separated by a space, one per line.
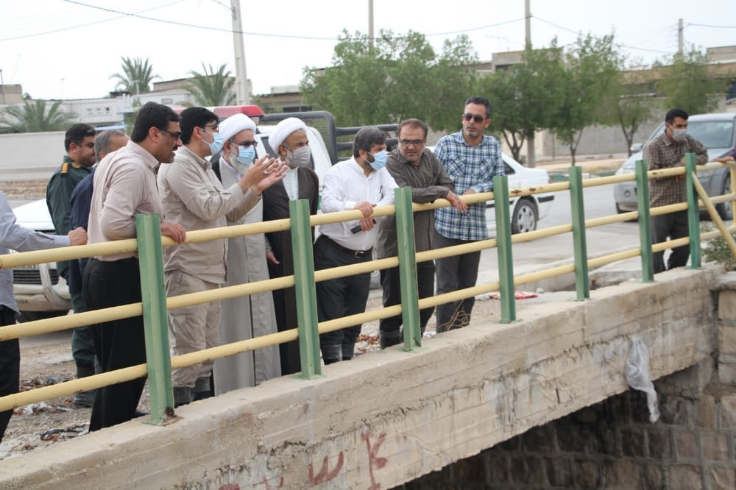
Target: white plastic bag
637 375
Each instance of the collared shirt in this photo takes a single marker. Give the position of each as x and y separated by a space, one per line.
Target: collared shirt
345 186
663 153
291 184
124 186
15 237
469 167
428 182
193 197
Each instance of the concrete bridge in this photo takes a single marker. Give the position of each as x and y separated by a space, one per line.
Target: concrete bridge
389 417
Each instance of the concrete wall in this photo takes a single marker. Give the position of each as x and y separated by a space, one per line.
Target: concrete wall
389 417
31 155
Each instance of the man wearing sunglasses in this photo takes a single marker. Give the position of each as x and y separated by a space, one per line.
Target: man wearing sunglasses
471 160
193 197
79 159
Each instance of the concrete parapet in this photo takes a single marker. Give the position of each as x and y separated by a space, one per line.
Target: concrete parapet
389 417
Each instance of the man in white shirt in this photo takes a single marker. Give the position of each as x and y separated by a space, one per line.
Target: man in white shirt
360 183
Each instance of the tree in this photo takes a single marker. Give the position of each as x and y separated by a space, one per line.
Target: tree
525 96
212 88
630 103
590 68
34 118
136 77
396 78
686 84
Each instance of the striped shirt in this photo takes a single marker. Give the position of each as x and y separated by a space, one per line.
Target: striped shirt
469 167
663 153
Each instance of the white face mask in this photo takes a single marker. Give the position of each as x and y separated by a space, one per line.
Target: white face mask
299 157
679 134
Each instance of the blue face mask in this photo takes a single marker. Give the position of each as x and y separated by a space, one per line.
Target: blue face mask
217 144
379 160
246 155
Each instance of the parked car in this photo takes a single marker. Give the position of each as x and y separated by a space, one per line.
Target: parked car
717 132
525 211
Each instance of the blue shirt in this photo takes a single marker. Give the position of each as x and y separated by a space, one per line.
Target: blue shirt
81 200
469 167
14 236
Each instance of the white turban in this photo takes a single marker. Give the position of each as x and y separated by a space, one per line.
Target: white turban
235 124
283 130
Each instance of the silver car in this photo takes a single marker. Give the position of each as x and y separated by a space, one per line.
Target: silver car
718 133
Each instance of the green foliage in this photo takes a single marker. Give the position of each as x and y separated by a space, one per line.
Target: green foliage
212 88
717 251
687 84
525 97
396 78
136 77
591 67
35 118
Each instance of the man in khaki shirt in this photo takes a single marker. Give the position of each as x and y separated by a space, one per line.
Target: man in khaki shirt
193 197
124 186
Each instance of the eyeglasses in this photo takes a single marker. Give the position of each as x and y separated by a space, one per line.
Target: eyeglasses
475 117
176 135
246 144
411 142
211 129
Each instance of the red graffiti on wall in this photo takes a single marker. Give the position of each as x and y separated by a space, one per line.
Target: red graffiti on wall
373 460
230 486
268 485
324 474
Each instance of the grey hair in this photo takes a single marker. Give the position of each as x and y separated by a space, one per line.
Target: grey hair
366 138
102 141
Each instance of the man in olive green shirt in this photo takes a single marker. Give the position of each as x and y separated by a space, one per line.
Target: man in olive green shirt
79 159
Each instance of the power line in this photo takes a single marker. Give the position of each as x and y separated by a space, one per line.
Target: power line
62 29
711 26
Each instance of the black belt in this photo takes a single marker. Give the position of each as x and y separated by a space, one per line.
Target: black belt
355 253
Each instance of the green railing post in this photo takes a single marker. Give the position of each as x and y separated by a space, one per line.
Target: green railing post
407 269
155 321
503 244
306 292
693 212
580 247
645 221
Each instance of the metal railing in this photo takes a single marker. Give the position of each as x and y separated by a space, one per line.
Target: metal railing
155 303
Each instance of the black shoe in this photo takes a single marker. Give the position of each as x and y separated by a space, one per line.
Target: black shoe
182 396
85 399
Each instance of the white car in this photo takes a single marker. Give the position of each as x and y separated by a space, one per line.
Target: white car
525 211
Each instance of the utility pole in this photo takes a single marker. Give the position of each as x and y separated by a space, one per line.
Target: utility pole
680 37
2 86
371 36
531 157
241 78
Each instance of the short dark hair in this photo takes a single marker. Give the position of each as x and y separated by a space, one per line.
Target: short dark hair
102 141
152 115
673 113
413 123
477 99
195 117
76 135
366 138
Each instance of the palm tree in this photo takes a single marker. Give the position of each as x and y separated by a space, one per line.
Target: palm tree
136 77
213 87
34 118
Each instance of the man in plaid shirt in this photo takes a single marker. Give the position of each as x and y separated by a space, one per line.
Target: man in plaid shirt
471 160
666 151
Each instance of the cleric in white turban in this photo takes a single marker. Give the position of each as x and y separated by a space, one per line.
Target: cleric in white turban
291 142
235 124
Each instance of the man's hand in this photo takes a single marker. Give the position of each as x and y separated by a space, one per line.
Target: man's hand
174 231
367 209
726 159
272 177
456 202
469 191
78 236
260 170
367 224
272 258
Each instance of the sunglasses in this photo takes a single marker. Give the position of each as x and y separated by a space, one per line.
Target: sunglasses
475 117
246 144
411 142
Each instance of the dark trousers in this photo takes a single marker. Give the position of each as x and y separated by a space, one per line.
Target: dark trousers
9 366
672 225
454 273
338 298
83 342
119 343
390 328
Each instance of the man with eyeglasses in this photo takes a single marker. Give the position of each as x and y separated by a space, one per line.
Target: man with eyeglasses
412 165
125 186
250 316
193 197
471 160
290 141
79 159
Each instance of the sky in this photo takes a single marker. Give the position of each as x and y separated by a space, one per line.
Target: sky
70 48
